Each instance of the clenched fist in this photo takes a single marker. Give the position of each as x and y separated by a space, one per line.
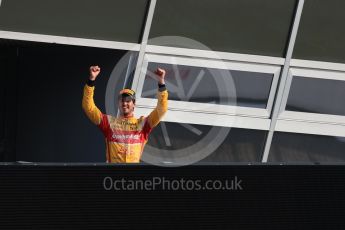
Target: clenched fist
94 71
161 75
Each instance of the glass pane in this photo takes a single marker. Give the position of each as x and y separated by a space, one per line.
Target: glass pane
173 141
294 147
246 26
105 20
208 85
321 33
315 95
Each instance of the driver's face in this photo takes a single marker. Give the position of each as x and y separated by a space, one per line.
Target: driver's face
126 106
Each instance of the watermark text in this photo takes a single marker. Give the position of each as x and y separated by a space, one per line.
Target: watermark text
162 183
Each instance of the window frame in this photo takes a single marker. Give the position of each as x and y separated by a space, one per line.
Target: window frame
315 135
311 123
312 117
188 52
208 119
233 116
69 40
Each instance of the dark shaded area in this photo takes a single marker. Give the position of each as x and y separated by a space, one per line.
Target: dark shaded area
295 147
8 102
43 119
210 85
78 18
239 145
73 197
316 95
321 33
246 26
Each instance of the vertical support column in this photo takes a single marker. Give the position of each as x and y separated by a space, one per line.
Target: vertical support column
143 44
283 78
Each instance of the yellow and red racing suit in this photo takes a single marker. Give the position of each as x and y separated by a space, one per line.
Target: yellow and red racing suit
125 138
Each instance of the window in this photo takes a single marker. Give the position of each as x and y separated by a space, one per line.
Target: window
211 86
235 117
315 96
296 147
252 88
104 23
246 26
321 32
184 143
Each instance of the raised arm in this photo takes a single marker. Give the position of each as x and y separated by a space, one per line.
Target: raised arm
162 96
88 104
